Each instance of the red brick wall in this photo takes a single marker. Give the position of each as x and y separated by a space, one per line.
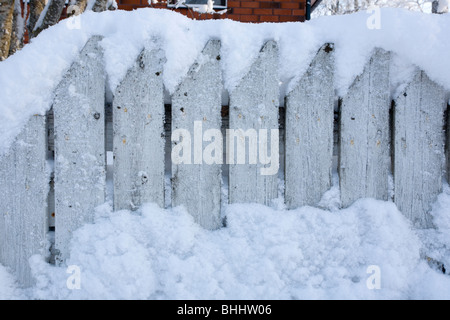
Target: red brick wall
245 11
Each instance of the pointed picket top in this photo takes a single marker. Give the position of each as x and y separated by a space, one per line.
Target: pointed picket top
138 130
419 148
309 132
270 48
210 52
254 105
364 164
196 107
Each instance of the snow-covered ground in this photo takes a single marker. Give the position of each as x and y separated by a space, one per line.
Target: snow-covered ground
264 252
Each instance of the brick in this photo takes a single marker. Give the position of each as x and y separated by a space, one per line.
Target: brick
301 3
130 2
130 7
195 15
271 4
217 16
262 11
63 14
235 17
242 10
249 18
299 12
291 18
233 4
249 4
290 5
155 5
282 12
124 7
200 16
269 18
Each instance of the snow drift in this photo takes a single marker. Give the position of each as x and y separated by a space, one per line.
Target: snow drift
264 252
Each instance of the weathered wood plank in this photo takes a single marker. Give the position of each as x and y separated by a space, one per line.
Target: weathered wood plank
196 106
24 181
364 159
419 148
254 105
79 117
448 142
309 133
138 115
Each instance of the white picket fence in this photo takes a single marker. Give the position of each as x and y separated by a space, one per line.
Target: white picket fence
377 139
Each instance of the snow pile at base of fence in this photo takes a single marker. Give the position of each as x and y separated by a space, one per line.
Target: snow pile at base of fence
28 79
264 253
8 287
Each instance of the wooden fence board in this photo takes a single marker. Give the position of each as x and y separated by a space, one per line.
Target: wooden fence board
419 148
254 105
448 143
309 133
24 181
138 117
79 119
364 164
196 107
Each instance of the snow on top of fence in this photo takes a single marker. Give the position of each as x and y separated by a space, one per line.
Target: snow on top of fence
28 79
